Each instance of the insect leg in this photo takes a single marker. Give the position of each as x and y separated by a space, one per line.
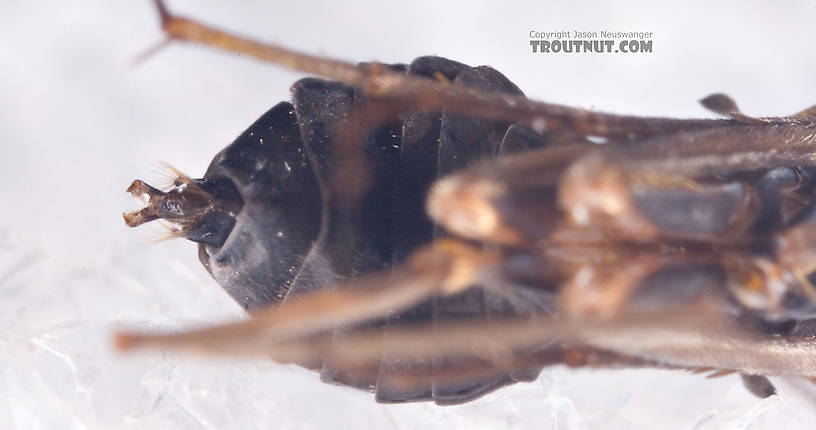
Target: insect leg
668 337
446 267
654 188
505 201
427 95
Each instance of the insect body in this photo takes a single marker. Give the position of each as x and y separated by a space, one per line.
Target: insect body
268 231
675 243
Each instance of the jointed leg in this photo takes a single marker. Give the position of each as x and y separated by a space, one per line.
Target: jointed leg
423 95
446 267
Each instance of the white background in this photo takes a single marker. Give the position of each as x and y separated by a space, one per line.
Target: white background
78 123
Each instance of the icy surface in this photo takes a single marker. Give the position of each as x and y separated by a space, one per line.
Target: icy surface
78 123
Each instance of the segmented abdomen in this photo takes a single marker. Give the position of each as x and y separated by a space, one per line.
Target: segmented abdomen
290 238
